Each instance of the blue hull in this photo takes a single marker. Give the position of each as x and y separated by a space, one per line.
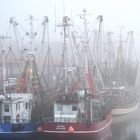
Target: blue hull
18 131
16 136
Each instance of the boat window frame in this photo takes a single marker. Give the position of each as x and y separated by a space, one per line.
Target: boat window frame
59 107
7 119
16 106
6 109
26 105
74 108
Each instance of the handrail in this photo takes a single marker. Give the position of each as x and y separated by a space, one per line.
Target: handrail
14 121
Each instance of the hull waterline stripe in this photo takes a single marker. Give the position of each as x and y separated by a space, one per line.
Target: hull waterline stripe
117 112
16 132
46 131
120 109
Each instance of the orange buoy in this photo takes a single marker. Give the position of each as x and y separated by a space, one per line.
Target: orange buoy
71 129
40 129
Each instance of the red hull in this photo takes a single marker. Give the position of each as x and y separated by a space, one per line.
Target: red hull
82 131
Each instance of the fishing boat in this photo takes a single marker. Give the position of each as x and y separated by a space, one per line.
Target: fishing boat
80 113
16 111
15 121
127 102
71 122
123 78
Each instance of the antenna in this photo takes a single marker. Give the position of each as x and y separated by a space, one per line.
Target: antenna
83 16
64 7
31 34
46 20
85 40
99 39
55 17
14 23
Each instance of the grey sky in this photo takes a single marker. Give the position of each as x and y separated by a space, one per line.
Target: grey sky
116 12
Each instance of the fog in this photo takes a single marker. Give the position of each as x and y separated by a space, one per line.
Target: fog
112 76
117 13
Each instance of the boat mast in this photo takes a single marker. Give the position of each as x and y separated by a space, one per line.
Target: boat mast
15 24
131 60
31 34
3 63
88 81
108 62
85 40
85 28
31 55
65 24
85 45
98 57
131 54
19 40
45 25
65 54
120 59
99 39
4 71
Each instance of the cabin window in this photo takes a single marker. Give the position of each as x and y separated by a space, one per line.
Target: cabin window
19 105
7 118
59 108
16 106
6 108
26 105
74 108
29 104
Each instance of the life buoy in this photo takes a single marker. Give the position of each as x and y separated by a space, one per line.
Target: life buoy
17 118
71 129
40 129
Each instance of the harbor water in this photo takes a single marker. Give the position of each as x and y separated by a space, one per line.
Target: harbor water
126 127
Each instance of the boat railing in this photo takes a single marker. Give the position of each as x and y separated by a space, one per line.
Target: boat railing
14 121
60 120
69 120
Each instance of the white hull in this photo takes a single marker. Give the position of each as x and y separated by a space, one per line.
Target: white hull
125 111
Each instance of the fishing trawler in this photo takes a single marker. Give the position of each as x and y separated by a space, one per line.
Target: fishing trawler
123 77
80 113
15 121
15 112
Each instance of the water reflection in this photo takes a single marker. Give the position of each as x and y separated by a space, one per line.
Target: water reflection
126 127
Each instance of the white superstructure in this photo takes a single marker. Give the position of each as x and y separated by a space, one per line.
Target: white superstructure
16 107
